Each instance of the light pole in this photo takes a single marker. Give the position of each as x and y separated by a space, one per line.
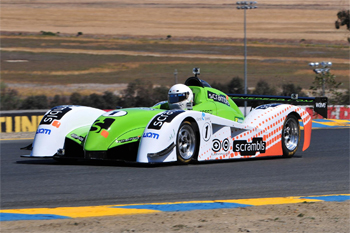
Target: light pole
175 76
325 67
244 5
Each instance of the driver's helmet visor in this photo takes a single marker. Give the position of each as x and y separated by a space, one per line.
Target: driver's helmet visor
178 97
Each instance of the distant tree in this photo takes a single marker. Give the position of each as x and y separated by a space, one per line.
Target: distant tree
9 98
35 102
289 89
111 100
106 101
57 101
3 86
159 94
234 86
345 98
220 86
129 95
137 94
331 87
144 94
343 19
44 33
75 98
263 88
94 100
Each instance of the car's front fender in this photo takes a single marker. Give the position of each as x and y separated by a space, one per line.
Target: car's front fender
57 123
158 141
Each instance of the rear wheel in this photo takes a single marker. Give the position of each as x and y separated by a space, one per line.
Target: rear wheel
290 136
186 143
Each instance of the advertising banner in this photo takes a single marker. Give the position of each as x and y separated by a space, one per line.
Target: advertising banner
20 121
340 112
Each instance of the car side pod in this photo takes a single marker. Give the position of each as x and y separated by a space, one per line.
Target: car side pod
163 152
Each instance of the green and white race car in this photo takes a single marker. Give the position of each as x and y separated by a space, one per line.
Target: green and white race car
209 126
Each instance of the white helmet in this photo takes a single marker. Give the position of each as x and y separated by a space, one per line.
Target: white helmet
180 96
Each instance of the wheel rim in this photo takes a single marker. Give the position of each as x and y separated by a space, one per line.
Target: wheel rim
186 142
291 134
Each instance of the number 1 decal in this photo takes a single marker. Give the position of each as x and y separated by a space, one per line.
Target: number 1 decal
207 131
115 113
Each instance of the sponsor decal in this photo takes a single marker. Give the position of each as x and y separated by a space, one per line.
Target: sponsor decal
207 111
115 113
149 109
321 105
249 148
43 131
75 136
55 114
265 106
56 124
172 135
225 144
151 135
239 120
203 117
167 116
104 133
206 131
100 125
128 140
217 145
218 98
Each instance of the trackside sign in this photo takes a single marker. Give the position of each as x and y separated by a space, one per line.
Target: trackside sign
21 121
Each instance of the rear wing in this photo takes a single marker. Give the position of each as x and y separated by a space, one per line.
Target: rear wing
319 103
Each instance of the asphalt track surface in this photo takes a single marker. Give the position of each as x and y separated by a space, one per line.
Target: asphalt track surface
32 183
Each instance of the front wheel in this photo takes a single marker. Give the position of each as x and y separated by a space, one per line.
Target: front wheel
290 136
186 143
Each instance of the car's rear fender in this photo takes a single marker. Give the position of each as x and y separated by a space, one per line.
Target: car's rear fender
270 118
262 127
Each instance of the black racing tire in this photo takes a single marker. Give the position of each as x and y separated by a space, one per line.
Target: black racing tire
290 136
186 143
